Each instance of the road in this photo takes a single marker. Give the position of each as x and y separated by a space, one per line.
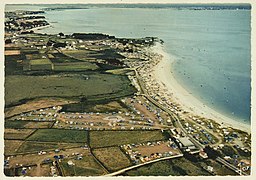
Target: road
178 123
142 164
164 108
231 166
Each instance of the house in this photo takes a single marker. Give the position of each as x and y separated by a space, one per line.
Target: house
203 154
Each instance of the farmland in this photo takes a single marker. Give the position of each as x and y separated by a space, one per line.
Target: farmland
86 165
17 134
27 124
74 66
113 158
175 167
34 147
11 146
18 88
59 135
112 138
35 104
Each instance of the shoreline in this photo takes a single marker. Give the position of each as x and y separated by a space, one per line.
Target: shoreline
162 74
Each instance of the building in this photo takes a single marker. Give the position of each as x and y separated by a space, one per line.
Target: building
186 144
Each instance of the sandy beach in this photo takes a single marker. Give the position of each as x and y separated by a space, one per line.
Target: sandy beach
162 73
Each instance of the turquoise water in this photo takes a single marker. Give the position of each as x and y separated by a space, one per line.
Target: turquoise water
211 48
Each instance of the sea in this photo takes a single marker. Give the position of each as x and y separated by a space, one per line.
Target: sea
211 47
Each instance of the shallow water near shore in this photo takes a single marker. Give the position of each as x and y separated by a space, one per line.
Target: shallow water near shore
211 48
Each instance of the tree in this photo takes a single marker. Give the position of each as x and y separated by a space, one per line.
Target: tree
61 34
8 41
213 154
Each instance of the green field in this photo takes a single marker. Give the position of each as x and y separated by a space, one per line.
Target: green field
111 138
59 135
17 134
75 66
112 158
40 61
80 54
62 58
31 146
12 66
11 146
19 88
175 167
15 124
26 124
40 64
87 166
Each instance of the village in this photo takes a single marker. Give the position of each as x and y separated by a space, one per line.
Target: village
109 127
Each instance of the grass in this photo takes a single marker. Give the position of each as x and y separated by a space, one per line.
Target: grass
35 104
113 106
219 169
112 158
17 134
119 71
11 64
175 167
11 146
29 146
14 124
38 125
26 124
113 138
75 66
59 135
19 88
62 58
107 54
87 166
40 64
40 61
79 54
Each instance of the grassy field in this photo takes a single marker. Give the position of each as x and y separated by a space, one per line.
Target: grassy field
62 58
59 135
35 104
87 166
14 124
175 167
40 62
11 146
26 124
12 65
19 88
34 56
75 66
111 138
113 106
80 54
17 134
112 158
29 146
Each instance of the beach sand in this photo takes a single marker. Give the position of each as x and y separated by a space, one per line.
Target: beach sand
162 73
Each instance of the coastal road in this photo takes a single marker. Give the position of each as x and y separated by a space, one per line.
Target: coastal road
231 166
142 164
164 108
178 123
